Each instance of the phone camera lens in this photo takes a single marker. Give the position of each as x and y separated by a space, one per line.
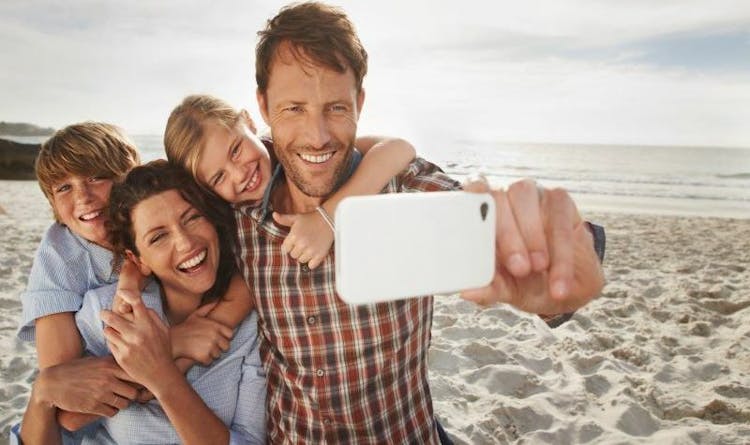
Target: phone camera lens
483 210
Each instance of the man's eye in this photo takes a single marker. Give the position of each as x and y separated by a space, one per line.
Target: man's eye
294 109
338 108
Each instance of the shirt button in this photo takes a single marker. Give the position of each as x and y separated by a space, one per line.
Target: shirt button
305 268
320 373
327 421
311 320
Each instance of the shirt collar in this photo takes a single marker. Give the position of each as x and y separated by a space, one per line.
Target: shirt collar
278 175
102 259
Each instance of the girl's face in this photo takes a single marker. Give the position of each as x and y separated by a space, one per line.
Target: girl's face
176 243
234 163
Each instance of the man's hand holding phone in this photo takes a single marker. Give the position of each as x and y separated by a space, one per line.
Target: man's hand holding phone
545 257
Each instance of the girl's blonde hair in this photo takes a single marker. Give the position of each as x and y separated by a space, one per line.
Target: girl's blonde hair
183 137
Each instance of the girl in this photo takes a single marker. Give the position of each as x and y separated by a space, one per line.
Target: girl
218 146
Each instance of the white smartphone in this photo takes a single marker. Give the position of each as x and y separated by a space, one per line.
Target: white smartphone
402 245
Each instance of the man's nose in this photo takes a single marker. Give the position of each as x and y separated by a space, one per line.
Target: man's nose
317 131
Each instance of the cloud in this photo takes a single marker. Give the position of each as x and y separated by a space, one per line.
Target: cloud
607 70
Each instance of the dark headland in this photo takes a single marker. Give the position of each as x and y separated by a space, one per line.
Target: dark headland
17 159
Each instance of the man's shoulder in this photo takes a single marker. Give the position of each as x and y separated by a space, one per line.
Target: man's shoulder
422 175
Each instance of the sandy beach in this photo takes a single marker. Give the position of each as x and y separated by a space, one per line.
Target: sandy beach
663 356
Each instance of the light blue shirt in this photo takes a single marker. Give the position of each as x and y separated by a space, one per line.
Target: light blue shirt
65 267
233 386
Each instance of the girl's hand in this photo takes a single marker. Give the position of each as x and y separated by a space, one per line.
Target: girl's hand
309 240
200 338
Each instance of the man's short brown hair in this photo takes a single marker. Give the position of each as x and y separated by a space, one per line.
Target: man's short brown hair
316 33
85 149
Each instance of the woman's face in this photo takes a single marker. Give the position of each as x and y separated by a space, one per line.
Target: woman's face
234 162
176 243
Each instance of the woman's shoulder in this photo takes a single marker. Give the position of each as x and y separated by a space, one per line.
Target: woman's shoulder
103 297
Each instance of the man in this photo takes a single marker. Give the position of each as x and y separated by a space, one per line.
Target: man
358 374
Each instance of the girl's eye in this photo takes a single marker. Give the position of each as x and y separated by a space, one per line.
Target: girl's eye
217 180
235 151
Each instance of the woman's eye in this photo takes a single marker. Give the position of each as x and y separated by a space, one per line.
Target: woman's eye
157 237
194 217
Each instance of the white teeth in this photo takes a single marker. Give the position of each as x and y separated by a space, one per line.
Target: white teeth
253 179
90 216
316 159
194 261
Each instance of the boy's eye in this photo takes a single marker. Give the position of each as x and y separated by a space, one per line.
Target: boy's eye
62 188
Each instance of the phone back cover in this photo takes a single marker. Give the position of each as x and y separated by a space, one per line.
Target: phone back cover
395 246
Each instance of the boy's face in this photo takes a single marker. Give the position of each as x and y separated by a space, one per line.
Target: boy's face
80 202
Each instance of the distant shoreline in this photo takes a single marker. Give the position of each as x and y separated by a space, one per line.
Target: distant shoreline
17 160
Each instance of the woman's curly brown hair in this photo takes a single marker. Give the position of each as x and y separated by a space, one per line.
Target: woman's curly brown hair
159 176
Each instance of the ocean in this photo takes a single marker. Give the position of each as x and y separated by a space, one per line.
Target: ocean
690 181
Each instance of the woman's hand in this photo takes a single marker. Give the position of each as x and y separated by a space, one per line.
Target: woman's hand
200 338
141 346
309 239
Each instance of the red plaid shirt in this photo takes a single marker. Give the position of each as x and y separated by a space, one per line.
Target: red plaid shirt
338 373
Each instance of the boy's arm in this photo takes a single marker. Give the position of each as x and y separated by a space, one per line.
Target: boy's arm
310 238
58 341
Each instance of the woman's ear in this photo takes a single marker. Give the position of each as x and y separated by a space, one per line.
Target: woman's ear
142 268
245 116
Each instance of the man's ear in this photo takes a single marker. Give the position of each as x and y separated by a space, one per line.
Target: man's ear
263 105
142 268
360 101
245 117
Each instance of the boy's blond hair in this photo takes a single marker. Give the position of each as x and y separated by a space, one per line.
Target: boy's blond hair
85 149
183 137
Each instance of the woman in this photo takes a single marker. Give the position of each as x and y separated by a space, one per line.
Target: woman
164 223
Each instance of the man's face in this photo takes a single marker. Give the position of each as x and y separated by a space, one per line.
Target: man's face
313 113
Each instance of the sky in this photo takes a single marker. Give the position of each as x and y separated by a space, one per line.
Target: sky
667 72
